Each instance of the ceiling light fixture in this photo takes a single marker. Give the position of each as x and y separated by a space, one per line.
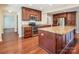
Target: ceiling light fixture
10 11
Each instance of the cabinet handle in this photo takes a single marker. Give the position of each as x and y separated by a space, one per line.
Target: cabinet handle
42 34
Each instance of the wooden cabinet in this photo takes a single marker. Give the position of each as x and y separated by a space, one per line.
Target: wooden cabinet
55 43
51 42
27 13
59 43
70 18
27 31
41 42
47 41
56 18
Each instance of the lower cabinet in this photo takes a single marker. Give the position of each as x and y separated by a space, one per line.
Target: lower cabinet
47 41
54 43
27 32
58 43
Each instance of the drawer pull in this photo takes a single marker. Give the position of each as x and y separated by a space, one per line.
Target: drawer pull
42 34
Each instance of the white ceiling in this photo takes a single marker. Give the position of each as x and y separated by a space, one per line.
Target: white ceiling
47 8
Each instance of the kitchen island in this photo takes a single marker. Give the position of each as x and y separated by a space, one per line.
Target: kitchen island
56 39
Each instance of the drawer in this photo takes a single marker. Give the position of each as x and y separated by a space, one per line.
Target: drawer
27 28
27 32
29 35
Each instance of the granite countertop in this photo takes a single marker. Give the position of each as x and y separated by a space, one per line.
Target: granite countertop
58 29
39 25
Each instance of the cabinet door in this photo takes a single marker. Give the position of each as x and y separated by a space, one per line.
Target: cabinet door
71 19
23 14
27 31
59 45
68 20
38 15
51 42
47 41
42 39
28 12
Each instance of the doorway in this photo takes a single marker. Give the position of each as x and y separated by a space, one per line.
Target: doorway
10 27
10 23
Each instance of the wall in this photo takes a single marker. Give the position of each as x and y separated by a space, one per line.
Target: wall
44 18
1 24
77 22
19 22
49 19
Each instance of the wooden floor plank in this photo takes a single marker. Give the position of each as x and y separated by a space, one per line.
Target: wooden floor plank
13 45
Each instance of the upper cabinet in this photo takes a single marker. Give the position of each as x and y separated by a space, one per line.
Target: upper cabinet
56 18
69 17
28 13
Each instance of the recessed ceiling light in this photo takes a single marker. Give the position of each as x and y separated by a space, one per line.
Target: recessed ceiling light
10 11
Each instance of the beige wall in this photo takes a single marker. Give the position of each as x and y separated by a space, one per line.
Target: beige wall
77 22
1 23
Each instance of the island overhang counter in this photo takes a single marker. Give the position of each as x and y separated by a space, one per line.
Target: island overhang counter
56 39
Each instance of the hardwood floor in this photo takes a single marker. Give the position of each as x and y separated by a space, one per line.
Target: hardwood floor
13 45
9 30
76 48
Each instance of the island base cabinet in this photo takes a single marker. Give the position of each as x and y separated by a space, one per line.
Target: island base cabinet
56 43
42 39
60 43
47 41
